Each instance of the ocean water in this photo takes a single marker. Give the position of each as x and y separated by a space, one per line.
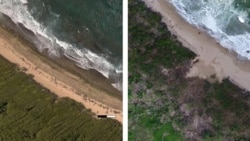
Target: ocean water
88 32
228 21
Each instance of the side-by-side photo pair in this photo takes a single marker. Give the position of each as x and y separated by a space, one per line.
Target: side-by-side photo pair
124 70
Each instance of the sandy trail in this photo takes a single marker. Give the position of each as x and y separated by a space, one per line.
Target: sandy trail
8 49
213 58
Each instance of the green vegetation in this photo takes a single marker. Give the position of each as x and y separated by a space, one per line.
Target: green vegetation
151 42
151 45
30 112
164 104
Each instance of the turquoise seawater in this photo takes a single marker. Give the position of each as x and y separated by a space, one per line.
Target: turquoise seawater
228 21
243 5
89 32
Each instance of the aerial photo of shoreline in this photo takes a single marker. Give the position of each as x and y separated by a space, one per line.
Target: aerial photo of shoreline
60 67
189 70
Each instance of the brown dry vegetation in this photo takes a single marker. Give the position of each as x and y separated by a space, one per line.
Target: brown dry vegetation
163 103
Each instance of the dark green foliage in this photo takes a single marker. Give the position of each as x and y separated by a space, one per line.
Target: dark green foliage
150 45
30 112
150 40
155 99
227 104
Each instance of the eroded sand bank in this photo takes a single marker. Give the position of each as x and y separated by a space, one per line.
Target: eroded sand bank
213 59
56 79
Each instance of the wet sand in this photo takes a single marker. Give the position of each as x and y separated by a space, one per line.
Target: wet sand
58 80
212 58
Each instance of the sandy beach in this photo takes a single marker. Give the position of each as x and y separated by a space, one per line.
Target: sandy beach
57 79
212 59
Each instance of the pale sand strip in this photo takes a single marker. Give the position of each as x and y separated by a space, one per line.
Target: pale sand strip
8 49
213 59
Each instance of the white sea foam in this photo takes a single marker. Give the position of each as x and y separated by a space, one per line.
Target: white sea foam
18 12
239 44
117 86
218 18
241 19
24 1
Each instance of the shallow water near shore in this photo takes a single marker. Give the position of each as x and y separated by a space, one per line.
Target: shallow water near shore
87 32
228 21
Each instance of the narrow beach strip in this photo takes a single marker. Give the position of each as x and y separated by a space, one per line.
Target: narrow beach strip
212 58
46 75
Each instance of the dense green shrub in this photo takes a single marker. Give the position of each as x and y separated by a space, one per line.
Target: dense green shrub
31 112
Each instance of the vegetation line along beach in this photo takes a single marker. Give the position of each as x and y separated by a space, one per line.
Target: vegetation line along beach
56 79
29 111
180 80
213 58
